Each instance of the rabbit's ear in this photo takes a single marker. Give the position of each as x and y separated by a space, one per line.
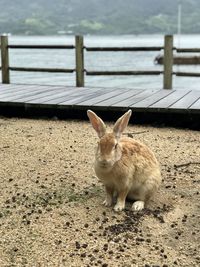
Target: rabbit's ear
121 124
97 123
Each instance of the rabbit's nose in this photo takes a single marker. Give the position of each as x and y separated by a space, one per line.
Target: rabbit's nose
104 162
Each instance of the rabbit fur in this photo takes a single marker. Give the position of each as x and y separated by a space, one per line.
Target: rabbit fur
126 167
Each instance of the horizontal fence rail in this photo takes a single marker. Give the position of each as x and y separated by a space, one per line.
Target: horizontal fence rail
92 73
79 69
187 50
41 46
42 70
121 49
188 74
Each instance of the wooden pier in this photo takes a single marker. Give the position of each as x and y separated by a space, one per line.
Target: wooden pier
165 106
175 107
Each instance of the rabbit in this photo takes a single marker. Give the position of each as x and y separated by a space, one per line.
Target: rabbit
126 167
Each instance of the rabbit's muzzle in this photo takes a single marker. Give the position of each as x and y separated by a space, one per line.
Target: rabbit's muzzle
105 163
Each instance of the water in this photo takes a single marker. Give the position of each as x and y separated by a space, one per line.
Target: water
99 61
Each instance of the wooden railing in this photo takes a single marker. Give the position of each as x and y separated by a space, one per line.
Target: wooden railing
79 65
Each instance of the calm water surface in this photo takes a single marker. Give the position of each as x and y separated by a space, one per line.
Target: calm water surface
99 61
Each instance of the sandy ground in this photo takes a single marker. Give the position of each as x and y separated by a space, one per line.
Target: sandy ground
51 211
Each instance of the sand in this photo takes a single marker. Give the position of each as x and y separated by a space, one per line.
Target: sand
51 211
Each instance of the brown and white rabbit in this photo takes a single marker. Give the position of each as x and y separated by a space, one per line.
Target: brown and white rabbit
125 166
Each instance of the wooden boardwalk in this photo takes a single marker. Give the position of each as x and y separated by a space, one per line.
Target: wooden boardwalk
36 98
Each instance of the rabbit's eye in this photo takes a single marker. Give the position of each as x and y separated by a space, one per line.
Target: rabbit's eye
116 146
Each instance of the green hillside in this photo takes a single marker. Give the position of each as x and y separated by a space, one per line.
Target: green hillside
97 16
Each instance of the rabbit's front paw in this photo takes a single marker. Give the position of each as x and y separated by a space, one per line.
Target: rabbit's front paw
119 206
138 205
107 202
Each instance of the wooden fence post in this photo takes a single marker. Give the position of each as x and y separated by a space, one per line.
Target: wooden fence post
5 59
79 61
168 62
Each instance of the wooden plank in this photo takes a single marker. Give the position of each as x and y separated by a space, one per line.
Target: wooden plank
36 94
118 97
21 96
79 99
4 90
81 96
135 98
40 98
55 70
30 95
168 101
187 101
62 98
17 92
50 87
195 106
122 49
150 100
128 72
10 86
188 50
57 97
187 74
7 88
132 93
29 86
73 100
99 98
42 46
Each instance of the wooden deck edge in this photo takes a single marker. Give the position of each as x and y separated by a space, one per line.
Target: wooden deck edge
159 117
